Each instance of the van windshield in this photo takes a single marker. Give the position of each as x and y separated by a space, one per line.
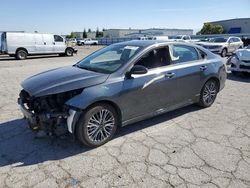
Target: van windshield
109 59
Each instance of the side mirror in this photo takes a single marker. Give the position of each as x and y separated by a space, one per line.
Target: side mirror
137 69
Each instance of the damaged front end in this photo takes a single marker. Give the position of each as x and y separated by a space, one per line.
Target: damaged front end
48 113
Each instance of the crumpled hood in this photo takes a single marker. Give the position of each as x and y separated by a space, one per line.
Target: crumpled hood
61 80
243 54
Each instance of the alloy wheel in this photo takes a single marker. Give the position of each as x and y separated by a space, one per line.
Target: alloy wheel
100 125
209 92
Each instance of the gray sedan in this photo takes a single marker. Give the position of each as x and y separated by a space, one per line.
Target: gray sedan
119 85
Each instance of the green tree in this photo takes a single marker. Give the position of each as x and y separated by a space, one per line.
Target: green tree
84 34
72 35
89 30
98 33
209 28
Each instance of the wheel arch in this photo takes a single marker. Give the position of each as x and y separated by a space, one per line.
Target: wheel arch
21 48
111 103
69 48
215 78
82 111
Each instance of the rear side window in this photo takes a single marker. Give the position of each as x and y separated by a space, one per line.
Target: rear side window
58 38
182 53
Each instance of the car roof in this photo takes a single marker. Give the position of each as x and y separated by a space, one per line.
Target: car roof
146 43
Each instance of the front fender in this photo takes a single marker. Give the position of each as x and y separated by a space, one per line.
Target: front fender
94 94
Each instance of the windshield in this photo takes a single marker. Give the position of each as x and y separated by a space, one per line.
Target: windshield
175 37
219 39
108 59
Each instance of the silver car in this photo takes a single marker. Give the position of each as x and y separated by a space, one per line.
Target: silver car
119 85
240 61
223 45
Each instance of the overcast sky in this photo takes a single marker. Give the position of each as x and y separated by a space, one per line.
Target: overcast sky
64 16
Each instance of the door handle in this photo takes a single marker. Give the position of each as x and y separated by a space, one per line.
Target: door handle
169 75
54 43
44 43
204 67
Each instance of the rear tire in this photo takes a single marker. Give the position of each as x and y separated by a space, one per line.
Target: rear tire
97 125
69 52
21 54
208 93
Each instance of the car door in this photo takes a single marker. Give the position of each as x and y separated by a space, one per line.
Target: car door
59 44
39 44
231 45
190 68
150 92
87 41
48 41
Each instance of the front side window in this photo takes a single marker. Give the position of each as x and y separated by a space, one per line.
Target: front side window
182 53
58 38
155 58
109 59
231 40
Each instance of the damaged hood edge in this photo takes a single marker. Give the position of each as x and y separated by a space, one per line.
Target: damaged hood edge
61 80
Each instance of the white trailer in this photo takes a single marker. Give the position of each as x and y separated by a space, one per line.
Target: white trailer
21 45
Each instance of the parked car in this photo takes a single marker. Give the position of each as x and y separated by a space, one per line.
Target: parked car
240 61
21 45
87 41
180 38
162 38
119 85
223 45
143 38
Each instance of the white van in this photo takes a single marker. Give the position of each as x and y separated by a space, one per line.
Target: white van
20 45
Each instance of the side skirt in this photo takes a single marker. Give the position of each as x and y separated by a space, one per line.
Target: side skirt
157 112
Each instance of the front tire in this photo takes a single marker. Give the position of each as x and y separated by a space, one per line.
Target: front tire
69 52
97 125
208 93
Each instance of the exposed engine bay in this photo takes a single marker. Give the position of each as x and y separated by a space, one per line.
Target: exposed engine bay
47 113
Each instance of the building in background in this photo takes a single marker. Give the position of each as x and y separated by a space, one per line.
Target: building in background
237 25
132 33
89 34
